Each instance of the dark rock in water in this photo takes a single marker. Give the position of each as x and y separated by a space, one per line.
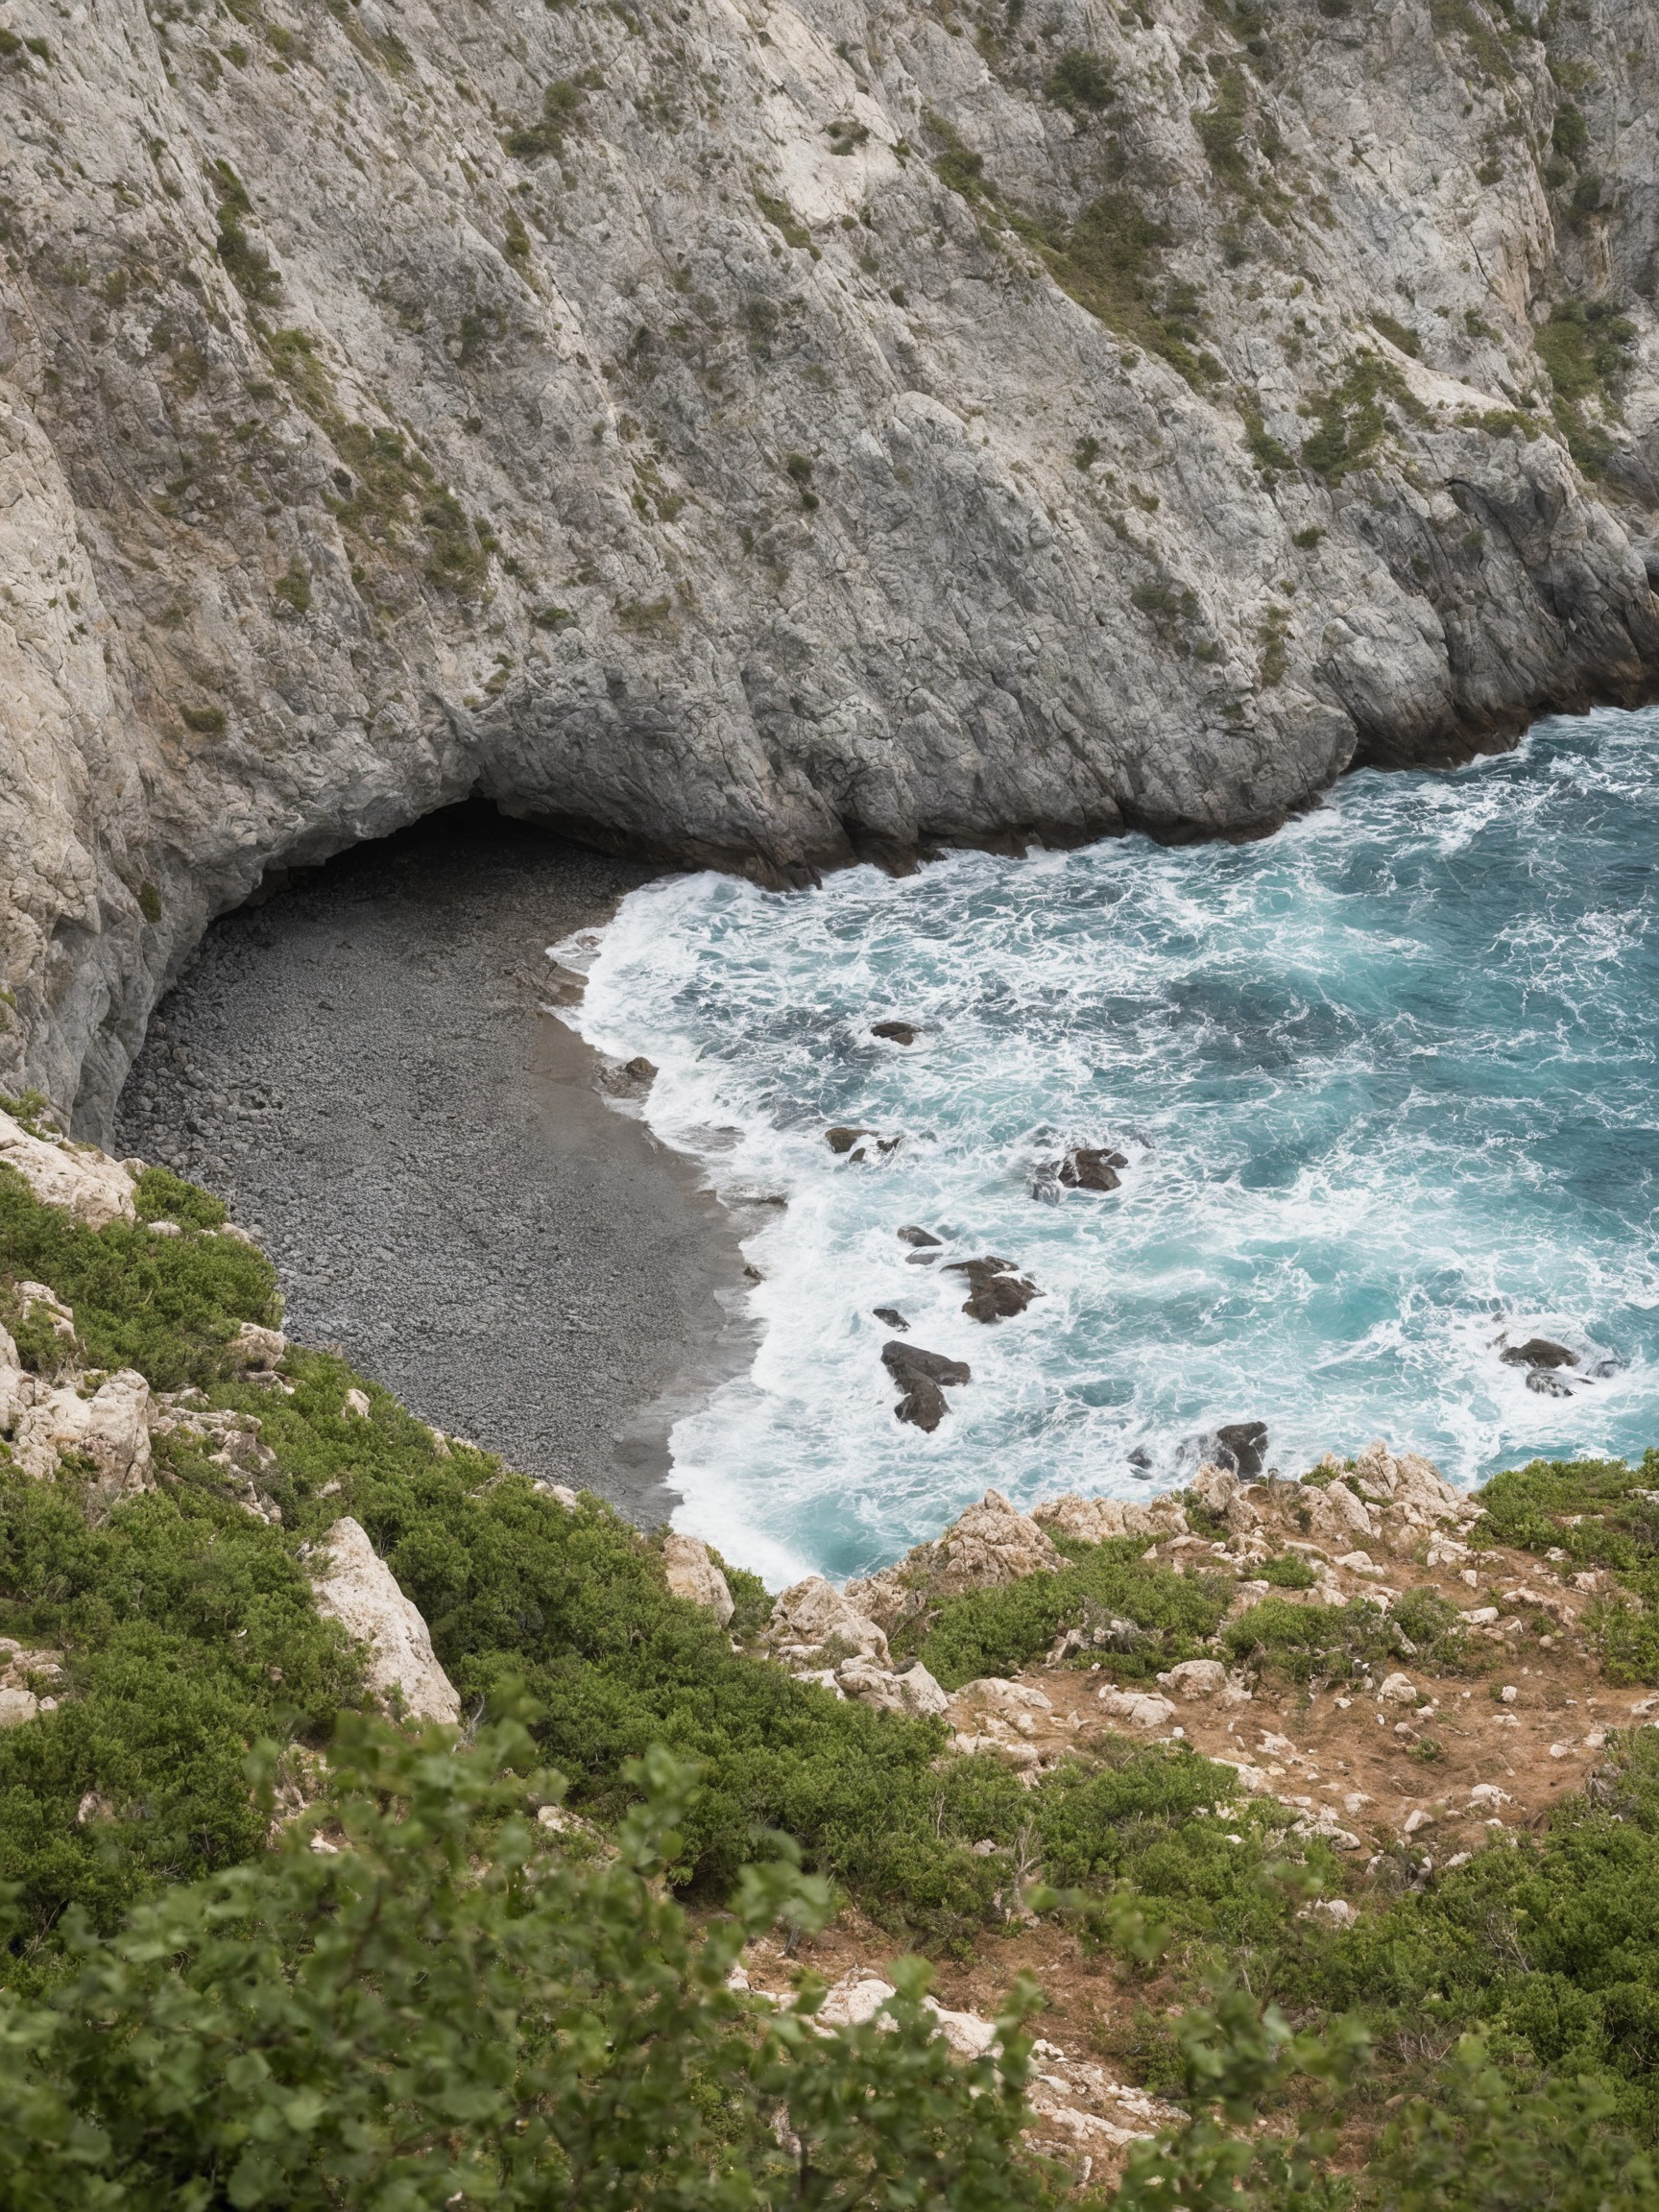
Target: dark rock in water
889 1144
919 1375
1045 1181
844 1139
915 1235
1547 1384
1245 1444
1090 1168
920 1258
998 1292
1538 1352
632 1080
1141 1459
891 1315
896 1032
1603 1368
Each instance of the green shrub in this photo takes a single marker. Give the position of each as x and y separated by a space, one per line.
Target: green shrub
1290 1570
166 1305
998 1631
1081 82
447 2010
1327 1643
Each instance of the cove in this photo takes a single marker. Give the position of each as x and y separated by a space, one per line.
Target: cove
1386 1085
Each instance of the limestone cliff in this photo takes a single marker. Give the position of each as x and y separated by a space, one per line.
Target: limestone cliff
769 433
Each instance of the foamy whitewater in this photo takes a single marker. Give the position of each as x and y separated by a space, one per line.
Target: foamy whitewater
1388 1088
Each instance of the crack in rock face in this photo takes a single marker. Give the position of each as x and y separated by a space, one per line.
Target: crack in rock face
773 448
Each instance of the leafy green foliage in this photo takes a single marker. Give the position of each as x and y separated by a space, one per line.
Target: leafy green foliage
247 263
1108 262
1081 82
1289 1571
1399 334
561 105
1603 1514
188 1630
1325 1643
1352 417
444 2008
997 1631
1585 347
166 1305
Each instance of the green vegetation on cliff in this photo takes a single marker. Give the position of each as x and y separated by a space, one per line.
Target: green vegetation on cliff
199 2008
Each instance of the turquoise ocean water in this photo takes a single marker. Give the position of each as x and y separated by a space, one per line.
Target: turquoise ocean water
1388 1084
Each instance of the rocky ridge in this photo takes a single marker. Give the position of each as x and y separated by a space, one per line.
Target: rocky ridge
771 435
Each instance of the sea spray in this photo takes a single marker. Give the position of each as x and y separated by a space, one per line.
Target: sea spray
1386 1085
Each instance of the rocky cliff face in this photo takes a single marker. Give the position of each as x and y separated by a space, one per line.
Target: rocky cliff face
772 433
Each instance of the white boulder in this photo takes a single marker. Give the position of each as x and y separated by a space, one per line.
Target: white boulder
1195 1679
1097 1520
693 1575
257 1351
1399 1690
1137 1708
110 1428
355 1587
813 1613
90 1188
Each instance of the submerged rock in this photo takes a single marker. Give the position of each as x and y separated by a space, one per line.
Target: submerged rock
896 1032
1538 1352
892 1316
920 1375
1090 1168
841 1140
998 1290
921 1237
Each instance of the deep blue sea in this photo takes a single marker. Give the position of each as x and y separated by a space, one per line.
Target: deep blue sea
1388 1084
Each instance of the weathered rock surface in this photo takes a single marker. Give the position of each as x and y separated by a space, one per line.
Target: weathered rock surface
110 1427
989 1544
354 1586
812 1614
92 1189
801 439
1098 1520
692 1574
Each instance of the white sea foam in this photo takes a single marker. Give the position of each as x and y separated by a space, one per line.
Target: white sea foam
1389 1085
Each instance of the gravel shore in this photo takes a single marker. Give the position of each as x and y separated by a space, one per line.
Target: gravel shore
361 1068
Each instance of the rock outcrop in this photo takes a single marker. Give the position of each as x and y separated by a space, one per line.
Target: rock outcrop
990 1545
92 1189
770 441
692 1574
354 1586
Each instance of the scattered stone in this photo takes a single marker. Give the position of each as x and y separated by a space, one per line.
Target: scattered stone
1399 1690
17 1706
693 1575
1538 1352
355 1587
1090 1168
356 1403
843 1140
892 1316
998 1290
920 1375
1137 1708
911 1235
1195 1679
896 1032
